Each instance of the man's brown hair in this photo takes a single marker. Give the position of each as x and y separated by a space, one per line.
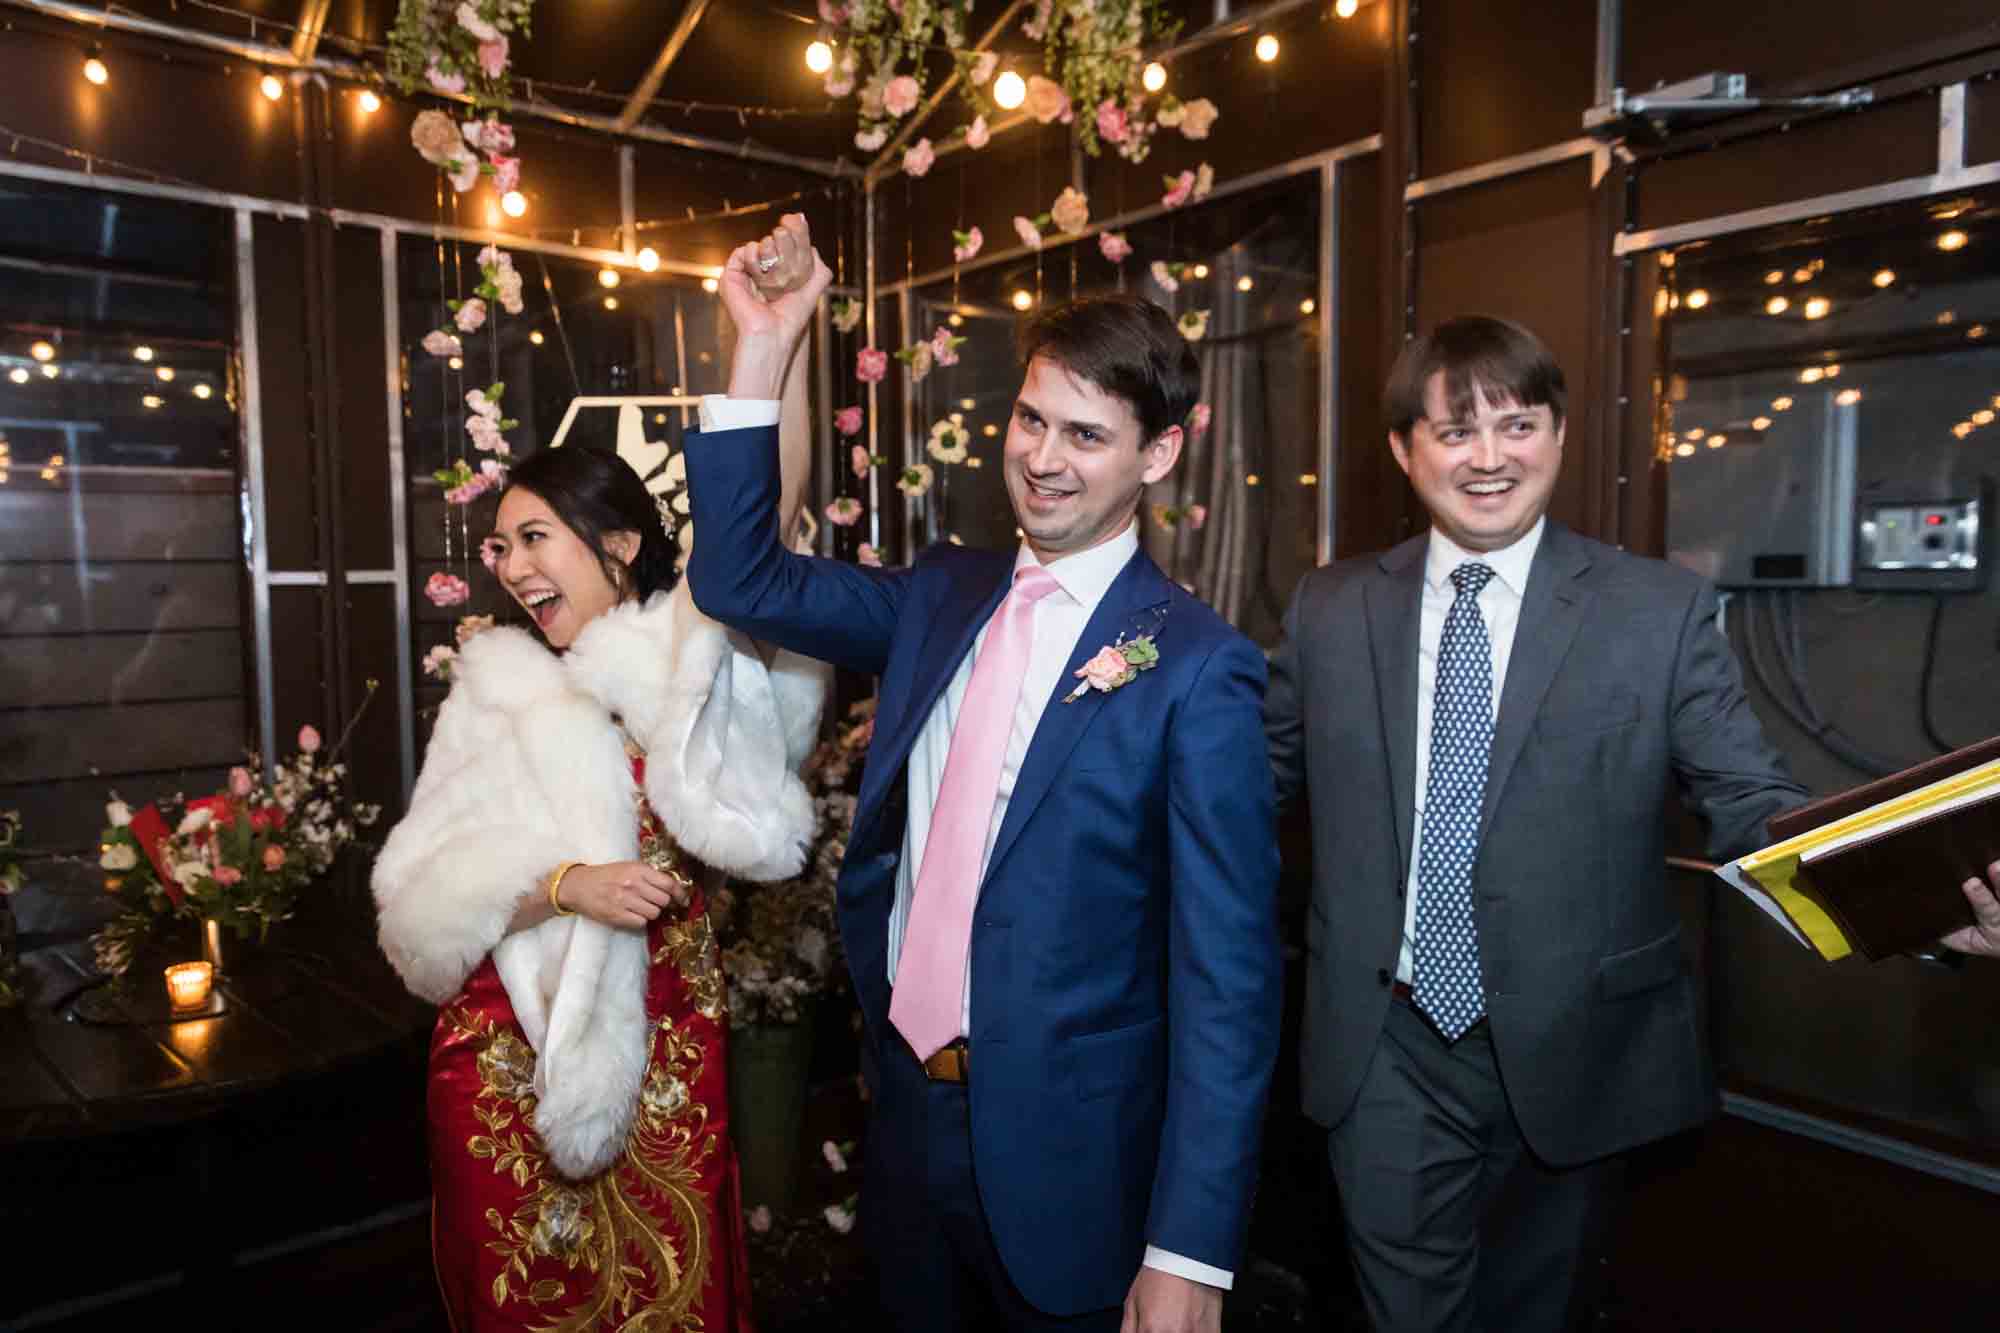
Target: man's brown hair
1477 353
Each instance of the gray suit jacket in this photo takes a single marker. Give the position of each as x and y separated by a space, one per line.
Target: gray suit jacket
1619 689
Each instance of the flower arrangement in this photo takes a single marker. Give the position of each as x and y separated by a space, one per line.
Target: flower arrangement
458 47
240 857
780 943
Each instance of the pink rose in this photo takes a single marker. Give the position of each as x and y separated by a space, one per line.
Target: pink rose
489 555
506 173
1198 420
228 876
967 248
848 421
1106 671
308 739
1071 211
977 133
983 68
447 590
470 316
241 784
1114 247
439 343
918 157
274 857
861 461
509 283
1178 190
944 347
489 136
1030 234
449 84
868 556
870 365
1047 101
486 436
1111 122
900 97
1164 276
1197 117
493 57
1197 515
832 15
477 400
844 512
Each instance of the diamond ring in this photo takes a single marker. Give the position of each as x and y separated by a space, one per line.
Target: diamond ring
766 264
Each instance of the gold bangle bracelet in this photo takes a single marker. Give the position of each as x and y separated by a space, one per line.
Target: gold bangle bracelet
555 883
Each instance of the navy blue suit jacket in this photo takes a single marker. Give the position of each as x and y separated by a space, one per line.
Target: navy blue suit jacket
1126 976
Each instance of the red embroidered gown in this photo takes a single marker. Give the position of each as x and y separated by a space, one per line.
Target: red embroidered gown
656 1241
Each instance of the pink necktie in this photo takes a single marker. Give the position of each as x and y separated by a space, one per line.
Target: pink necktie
928 1001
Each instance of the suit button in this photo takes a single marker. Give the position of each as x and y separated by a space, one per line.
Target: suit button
1382 977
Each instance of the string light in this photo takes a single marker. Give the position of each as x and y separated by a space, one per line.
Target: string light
1983 417
42 351
957 320
50 370
610 303
535 337
1697 298
456 364
142 353
271 87
1811 375
1847 397
711 286
1817 307
1696 434
370 103
1201 270
1245 283
1009 90
1773 277
1833 371
1252 479
152 400
1267 48
1760 423
1308 479
1306 307
1684 450
989 430
1021 298
19 374
203 392
1885 277
166 374
514 204
607 277
966 404
1777 305
1962 429
1952 240
94 70
1717 441
1782 403
1153 77
1346 9
819 57
649 259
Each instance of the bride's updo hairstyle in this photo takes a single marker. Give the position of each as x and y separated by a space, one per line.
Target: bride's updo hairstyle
596 493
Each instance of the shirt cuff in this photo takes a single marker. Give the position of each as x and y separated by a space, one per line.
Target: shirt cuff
1181 1266
721 412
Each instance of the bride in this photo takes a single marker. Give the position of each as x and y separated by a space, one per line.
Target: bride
547 889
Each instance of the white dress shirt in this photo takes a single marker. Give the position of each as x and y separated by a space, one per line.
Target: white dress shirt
1500 608
1059 621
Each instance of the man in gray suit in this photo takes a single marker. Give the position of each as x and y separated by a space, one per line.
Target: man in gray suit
1487 721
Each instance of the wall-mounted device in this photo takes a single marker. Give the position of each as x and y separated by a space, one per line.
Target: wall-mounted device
1924 545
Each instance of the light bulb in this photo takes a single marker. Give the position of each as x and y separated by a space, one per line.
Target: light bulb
1267 48
95 71
1021 298
42 351
1951 240
455 364
535 337
1697 298
1245 283
1308 478
819 57
142 353
610 303
1154 77
1684 450
1346 9
1885 277
1782 403
1201 270
1717 441
1833 371
1983 417
1774 277
1817 307
203 392
513 203
271 87
370 103
1252 479
1760 423
19 374
649 259
1306 307
1777 305
166 374
1811 375
50 370
1696 434
1847 397
607 277
152 400
957 320
1009 90
711 286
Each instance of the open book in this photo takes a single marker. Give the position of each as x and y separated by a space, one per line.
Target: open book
1878 868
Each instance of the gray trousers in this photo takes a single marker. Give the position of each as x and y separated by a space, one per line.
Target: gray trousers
1452 1222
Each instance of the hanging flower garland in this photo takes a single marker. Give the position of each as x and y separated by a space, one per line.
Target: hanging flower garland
458 47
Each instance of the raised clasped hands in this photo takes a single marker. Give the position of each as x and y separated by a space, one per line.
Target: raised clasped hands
770 288
628 894
1983 937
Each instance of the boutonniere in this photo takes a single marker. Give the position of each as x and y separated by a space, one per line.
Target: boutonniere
1119 663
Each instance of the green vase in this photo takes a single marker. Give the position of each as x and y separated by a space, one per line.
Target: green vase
768 1064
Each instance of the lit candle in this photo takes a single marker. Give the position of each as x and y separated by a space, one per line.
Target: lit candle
188 983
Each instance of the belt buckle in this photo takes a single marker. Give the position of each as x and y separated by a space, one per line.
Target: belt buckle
951 1063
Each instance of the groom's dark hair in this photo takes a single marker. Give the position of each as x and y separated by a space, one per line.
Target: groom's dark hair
1126 346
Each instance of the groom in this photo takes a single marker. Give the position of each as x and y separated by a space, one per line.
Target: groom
1058 899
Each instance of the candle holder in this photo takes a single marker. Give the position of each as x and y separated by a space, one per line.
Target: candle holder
188 984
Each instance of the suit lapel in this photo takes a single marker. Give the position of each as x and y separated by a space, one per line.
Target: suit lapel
1395 603
1551 611
1138 587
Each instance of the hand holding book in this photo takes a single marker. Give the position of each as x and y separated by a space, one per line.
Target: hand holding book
1982 937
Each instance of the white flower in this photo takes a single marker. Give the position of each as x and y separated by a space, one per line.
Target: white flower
1071 211
840 1219
468 19
1164 276
119 856
834 1157
916 480
437 662
1194 325
1030 234
190 873
1197 117
1204 180
194 821
948 442
869 140
117 814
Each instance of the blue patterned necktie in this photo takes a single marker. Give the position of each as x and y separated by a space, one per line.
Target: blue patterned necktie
1446 986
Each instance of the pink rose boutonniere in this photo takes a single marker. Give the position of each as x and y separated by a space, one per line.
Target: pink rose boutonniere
1116 665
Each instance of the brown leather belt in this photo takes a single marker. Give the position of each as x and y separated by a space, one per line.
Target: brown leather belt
951 1064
